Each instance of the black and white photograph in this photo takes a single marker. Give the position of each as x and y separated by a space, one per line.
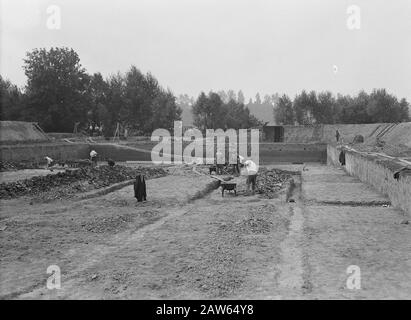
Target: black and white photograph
205 155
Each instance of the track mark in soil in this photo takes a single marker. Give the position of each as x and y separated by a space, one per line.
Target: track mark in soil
291 253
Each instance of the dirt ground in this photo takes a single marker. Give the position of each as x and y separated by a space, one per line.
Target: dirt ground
188 242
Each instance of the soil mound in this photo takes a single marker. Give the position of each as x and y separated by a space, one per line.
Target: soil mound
67 183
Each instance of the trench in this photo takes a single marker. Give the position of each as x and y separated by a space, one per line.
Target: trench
291 278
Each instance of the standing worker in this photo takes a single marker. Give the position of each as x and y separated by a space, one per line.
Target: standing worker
240 160
93 157
219 162
337 135
140 192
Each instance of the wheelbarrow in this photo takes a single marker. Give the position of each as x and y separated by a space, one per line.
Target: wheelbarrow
230 186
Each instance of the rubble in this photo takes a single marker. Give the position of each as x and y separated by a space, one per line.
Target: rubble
12 166
109 224
69 182
269 182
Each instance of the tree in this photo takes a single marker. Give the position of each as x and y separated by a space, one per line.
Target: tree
325 108
267 100
216 111
342 104
283 111
11 101
201 112
165 111
117 104
223 95
384 107
56 88
257 99
240 97
231 95
98 95
404 107
140 91
301 108
210 112
184 101
356 111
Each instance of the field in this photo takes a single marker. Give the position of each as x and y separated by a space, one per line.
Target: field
187 241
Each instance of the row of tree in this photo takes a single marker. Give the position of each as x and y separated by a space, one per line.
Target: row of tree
212 112
262 110
324 107
59 93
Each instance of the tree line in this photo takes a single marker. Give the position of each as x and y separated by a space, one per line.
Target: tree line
212 112
260 110
60 93
325 108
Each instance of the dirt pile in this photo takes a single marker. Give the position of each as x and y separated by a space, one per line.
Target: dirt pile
269 182
67 183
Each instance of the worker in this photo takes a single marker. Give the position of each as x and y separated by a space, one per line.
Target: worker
219 161
250 170
93 157
50 162
240 160
140 192
341 157
337 135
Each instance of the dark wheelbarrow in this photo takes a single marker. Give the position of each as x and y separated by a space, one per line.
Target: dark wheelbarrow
230 186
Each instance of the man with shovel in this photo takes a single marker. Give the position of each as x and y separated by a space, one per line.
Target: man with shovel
250 170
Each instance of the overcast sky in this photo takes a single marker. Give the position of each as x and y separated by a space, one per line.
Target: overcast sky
264 46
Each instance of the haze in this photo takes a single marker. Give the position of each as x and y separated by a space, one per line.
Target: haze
192 46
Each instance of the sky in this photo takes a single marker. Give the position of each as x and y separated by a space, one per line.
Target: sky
264 46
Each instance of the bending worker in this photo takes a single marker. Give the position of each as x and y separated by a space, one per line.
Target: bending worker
50 162
250 170
93 157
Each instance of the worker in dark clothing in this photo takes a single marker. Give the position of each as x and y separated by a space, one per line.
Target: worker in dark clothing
240 159
341 158
140 188
337 135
